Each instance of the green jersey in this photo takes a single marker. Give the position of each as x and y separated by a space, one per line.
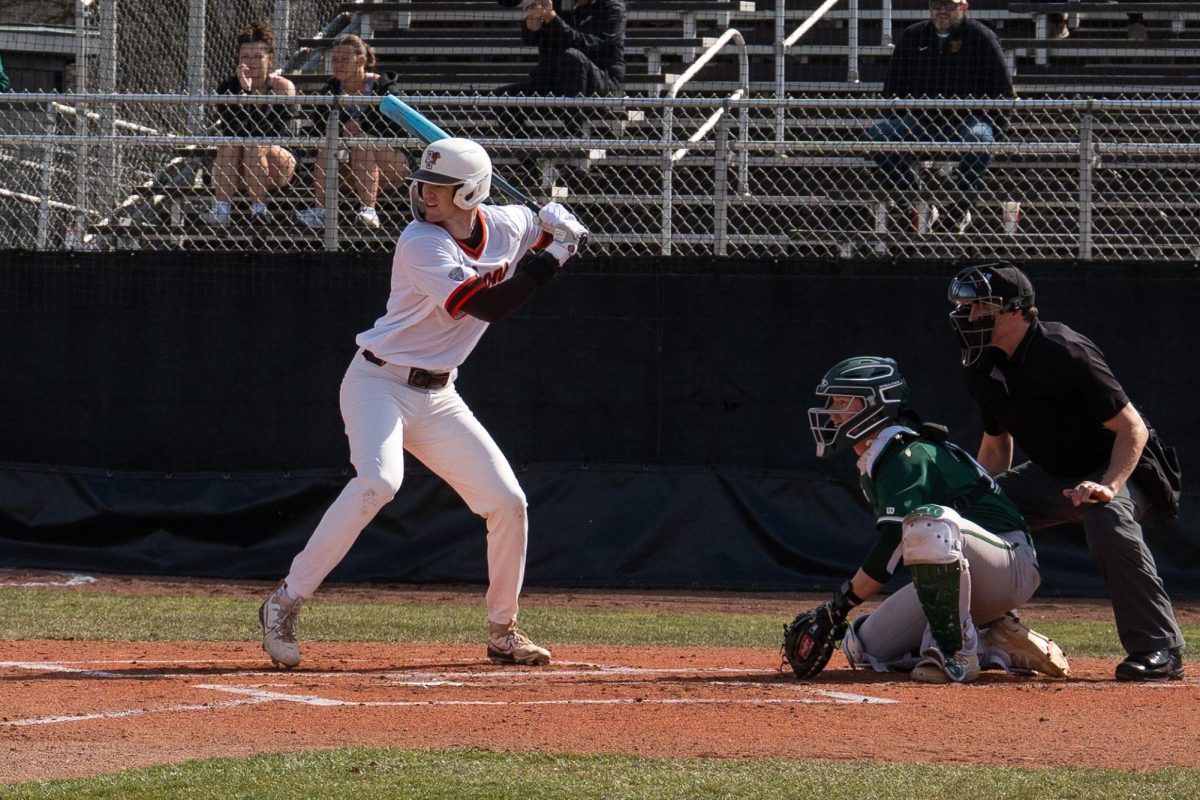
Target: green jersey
903 470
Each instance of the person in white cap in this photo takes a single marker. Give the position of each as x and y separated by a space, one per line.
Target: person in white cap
458 266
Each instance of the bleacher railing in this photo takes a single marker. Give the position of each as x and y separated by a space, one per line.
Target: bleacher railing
1101 179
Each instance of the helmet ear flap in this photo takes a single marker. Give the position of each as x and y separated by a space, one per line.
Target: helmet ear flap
416 201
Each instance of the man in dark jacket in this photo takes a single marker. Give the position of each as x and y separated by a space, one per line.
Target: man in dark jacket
953 57
581 47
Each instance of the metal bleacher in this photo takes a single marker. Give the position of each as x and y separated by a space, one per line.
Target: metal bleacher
789 199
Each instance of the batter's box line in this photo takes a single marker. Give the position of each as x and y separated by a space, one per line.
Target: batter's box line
826 698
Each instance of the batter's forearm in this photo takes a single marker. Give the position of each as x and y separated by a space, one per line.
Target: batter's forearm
497 302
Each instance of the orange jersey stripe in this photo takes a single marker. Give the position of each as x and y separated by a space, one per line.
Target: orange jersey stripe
459 297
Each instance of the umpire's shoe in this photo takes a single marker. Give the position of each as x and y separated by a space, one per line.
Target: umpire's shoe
278 617
934 667
1156 665
508 644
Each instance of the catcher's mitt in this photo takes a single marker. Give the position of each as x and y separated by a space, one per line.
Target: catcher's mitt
809 641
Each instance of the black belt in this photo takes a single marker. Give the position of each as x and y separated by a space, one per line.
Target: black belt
420 378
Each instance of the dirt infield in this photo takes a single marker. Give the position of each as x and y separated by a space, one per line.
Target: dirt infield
74 708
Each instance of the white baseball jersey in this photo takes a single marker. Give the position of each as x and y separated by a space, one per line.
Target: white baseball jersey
434 275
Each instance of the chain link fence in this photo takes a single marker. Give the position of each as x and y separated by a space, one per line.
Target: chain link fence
1097 179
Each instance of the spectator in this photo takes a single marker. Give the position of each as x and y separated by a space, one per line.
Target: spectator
1047 389
1056 27
253 171
581 47
4 84
946 56
372 167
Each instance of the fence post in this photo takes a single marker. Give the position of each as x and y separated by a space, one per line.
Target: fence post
110 153
780 68
333 126
281 24
197 36
46 184
721 188
1086 187
668 138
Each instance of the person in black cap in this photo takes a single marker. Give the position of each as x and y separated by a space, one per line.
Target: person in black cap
1049 390
948 56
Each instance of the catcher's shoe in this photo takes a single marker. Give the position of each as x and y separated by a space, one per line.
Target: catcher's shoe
936 668
1016 648
508 644
278 617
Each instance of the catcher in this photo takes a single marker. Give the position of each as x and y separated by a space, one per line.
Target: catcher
964 542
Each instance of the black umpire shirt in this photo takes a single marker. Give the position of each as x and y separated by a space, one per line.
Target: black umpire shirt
1052 396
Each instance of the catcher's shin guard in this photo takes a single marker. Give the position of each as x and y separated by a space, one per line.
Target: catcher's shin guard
932 548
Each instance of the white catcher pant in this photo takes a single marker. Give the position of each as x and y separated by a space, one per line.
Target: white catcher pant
1002 572
385 416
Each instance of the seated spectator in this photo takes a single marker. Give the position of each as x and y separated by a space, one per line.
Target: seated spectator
252 171
371 167
953 57
581 47
1057 26
4 85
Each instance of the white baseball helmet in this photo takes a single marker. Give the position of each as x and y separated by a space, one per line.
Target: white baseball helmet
453 162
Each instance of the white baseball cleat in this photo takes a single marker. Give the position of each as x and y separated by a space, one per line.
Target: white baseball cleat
936 668
278 617
508 644
1016 648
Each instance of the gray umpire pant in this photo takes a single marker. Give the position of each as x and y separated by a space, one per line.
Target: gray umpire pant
1144 617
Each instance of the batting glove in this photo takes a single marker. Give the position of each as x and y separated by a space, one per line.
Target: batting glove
560 223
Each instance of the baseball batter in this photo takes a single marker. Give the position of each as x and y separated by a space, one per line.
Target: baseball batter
458 266
964 542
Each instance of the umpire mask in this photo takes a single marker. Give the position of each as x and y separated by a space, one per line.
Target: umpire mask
979 295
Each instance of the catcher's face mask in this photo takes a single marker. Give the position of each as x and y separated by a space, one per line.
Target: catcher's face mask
856 396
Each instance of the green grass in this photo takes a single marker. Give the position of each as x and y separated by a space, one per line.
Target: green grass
55 614
356 774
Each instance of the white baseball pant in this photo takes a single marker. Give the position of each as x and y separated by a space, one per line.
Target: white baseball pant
384 416
1002 574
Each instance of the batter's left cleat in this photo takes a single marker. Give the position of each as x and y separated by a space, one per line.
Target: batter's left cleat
936 668
278 617
508 644
1011 645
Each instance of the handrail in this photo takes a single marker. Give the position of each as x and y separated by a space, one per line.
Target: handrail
743 127
782 43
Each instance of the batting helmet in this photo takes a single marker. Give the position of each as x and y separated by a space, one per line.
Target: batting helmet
453 162
993 289
876 381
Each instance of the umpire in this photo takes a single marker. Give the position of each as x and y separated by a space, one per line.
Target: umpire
1049 390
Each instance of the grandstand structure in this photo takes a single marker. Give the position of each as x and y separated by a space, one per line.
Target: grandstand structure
730 138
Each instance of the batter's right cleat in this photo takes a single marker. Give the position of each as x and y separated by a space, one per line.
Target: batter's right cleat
1011 644
1157 665
508 644
936 668
278 617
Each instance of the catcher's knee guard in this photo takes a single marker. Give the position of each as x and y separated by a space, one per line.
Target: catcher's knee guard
932 535
932 549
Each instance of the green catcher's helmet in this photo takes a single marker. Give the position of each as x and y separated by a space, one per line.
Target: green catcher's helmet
877 381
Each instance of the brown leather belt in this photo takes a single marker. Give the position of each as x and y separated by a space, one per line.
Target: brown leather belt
417 377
